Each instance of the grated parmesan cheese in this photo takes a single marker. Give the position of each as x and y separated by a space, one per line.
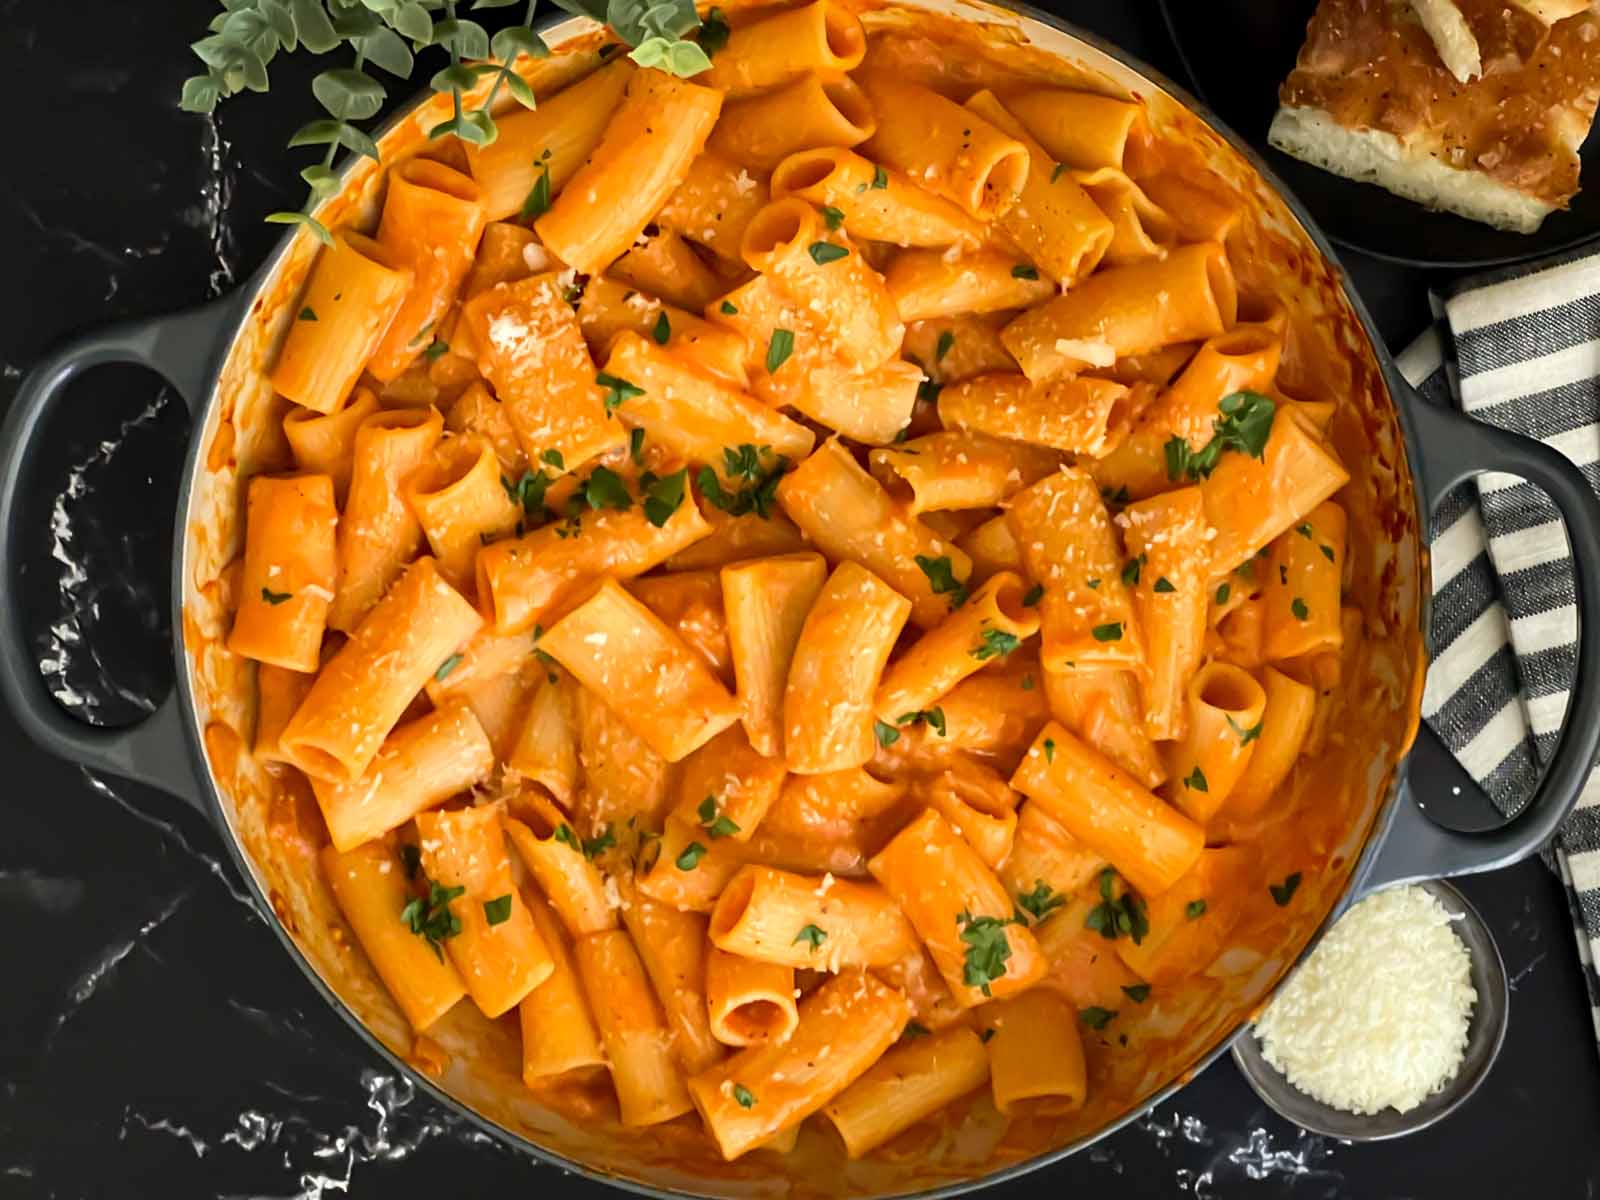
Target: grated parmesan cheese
1376 1017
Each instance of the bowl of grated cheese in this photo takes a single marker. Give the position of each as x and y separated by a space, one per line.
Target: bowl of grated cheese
1391 1022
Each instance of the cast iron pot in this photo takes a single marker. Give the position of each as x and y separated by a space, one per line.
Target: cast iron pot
190 746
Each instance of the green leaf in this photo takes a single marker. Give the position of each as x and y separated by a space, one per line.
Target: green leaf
456 76
1246 736
679 58
436 349
779 347
353 138
432 918
1163 585
1096 1017
477 4
1246 422
664 496
348 94
1041 901
832 217
1111 631
388 50
466 38
498 910
995 643
691 856
636 21
315 133
216 52
595 10
520 90
1284 892
618 391
887 735
933 718
942 579
538 201
516 40
605 489
322 181
823 253
661 331
1195 781
282 20
200 94
312 26
811 934
988 949
412 21
555 459
353 21
714 32
317 228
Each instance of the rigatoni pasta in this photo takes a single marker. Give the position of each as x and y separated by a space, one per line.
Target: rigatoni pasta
819 583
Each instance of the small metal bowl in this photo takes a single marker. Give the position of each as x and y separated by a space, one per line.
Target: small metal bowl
1485 1033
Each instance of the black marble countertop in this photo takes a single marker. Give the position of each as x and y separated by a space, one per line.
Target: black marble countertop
154 1038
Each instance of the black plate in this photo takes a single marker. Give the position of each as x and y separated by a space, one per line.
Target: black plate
1237 52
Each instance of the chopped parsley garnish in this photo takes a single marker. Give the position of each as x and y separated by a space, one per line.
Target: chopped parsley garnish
498 910
880 178
448 665
779 347
718 825
728 309
1283 574
605 489
759 493
810 934
1299 609
1284 892
988 949
1327 553
411 859
1223 592
931 717
1304 530
663 496
431 918
1049 750
1246 736
1041 901
1094 584
1137 992
946 343
1194 910
745 1097
913 1030
714 32
823 253
1195 781
662 329
1024 271
636 447
1131 569
928 393
1163 585
942 578
274 598
537 202
596 846
528 491
618 391
995 643
1096 1017
566 837
1117 916
691 856
1057 173
832 216
1031 598
308 313
1027 683
436 350
553 458
418 337
1244 425
1111 631
887 735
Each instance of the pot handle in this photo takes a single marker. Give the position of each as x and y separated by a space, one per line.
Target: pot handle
1449 448
180 348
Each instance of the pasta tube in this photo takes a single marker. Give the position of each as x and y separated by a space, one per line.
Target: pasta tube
1167 536
958 470
766 601
801 921
978 805
289 571
615 646
1036 1054
1081 415
1105 707
355 290
546 749
370 887
1148 842
609 308
1284 725
554 856
910 1083
714 204
1080 129
1046 861
665 265
690 870
1225 707
875 204
845 1025
325 444
279 692
760 131
749 1001
460 503
821 36
928 284
363 689
837 663
1301 594
1190 923
727 786
421 764
493 942
962 913
558 1032
672 947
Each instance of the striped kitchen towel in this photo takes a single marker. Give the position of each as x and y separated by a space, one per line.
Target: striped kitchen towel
1518 348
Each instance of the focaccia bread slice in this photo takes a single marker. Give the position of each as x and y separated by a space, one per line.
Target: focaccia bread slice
1371 98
